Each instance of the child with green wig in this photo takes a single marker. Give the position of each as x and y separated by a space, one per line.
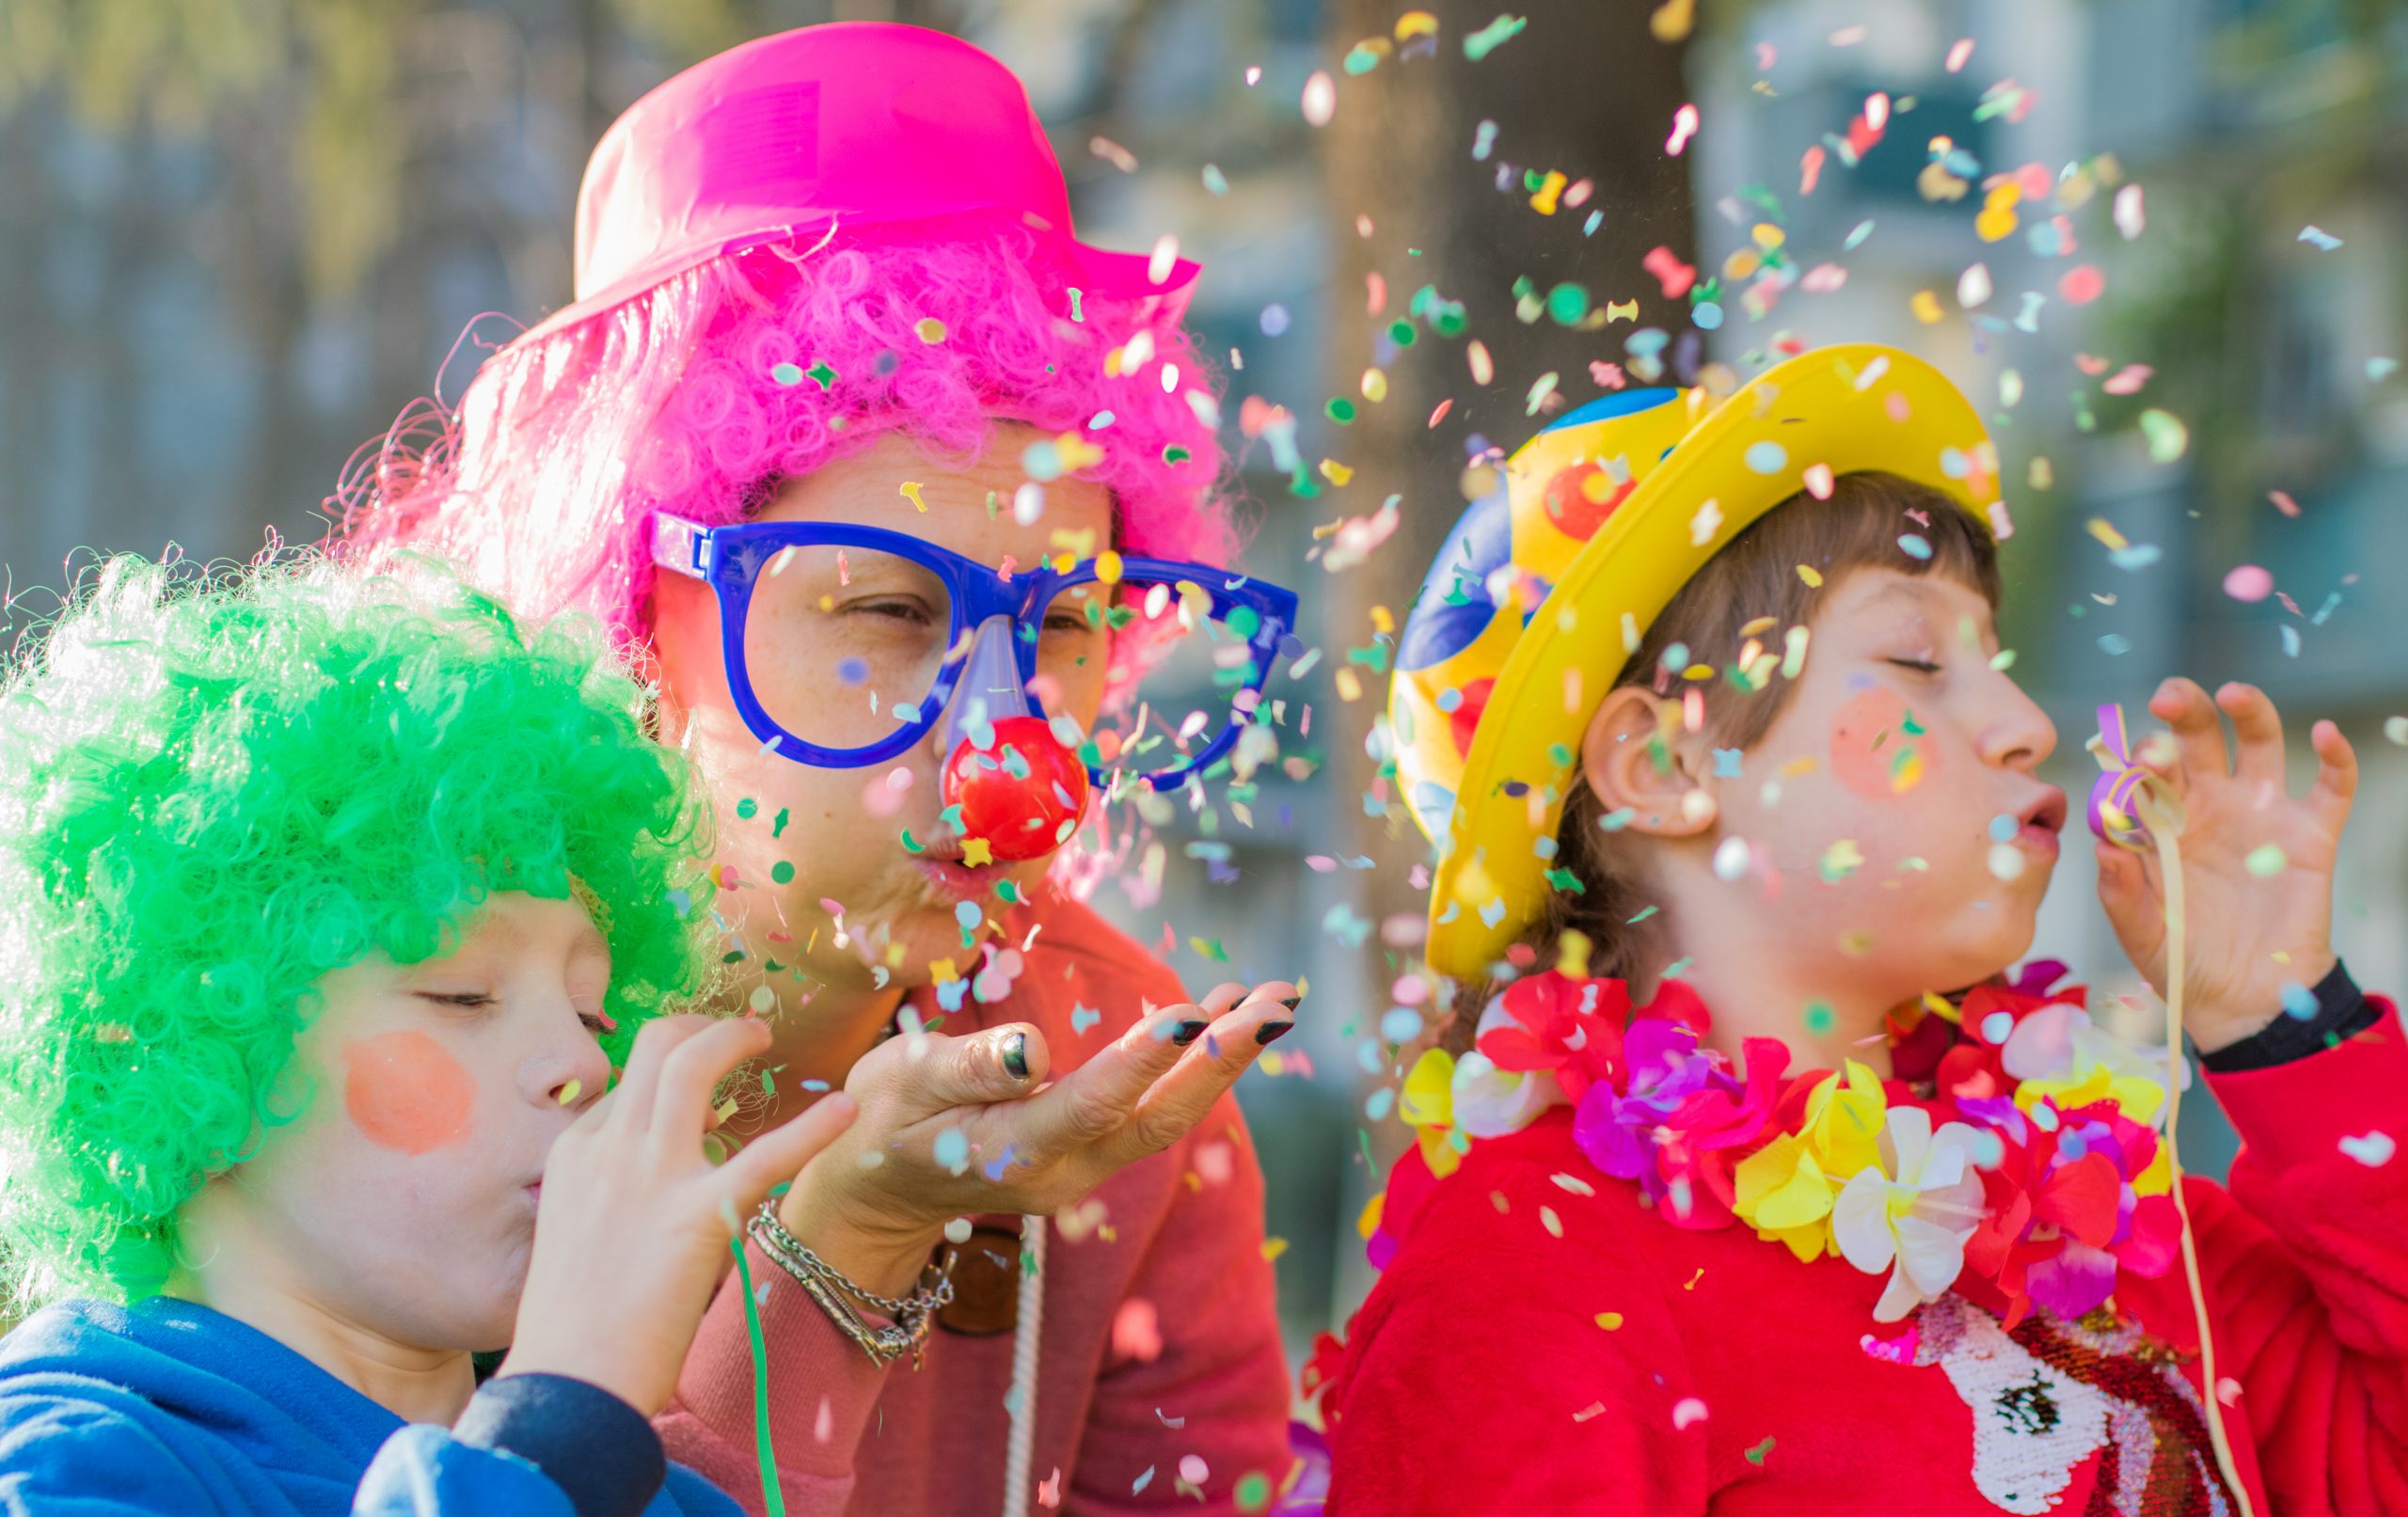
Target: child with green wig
337 915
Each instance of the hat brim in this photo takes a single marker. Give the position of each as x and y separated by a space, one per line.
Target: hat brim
1094 271
1852 407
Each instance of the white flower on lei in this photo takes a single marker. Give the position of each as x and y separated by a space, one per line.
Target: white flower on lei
1918 1215
1490 1103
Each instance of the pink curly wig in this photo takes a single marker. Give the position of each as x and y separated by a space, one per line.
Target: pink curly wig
540 486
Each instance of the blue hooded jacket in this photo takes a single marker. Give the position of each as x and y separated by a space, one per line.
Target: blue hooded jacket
171 1409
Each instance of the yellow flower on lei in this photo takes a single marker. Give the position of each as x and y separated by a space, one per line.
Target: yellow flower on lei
1785 1189
1427 1105
1786 1194
2137 1096
1844 1116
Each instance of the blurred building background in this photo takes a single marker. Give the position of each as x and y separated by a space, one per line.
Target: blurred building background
237 236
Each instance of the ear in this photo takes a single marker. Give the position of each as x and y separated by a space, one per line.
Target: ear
1634 755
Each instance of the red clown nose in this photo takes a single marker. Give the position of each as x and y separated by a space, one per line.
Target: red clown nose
1023 795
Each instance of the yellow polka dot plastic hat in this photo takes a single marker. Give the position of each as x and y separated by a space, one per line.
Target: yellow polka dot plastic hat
1548 582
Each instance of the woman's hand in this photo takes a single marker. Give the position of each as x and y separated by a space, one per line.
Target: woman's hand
875 1207
633 1228
2247 936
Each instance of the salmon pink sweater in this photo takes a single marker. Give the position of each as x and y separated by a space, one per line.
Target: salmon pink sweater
1543 1343
1161 1383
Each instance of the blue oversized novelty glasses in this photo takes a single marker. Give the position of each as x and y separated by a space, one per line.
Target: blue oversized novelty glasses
845 645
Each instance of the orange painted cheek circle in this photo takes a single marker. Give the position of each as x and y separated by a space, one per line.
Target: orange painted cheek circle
1874 753
406 1094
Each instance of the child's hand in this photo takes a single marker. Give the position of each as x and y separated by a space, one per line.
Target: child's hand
2246 935
633 1229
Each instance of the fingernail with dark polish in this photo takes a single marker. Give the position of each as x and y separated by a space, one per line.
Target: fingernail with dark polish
1272 1032
1189 1031
1016 1056
1292 1002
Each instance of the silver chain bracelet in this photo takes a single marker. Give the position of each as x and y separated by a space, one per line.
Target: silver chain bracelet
913 1314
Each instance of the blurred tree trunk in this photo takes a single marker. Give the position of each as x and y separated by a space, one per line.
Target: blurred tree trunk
1586 90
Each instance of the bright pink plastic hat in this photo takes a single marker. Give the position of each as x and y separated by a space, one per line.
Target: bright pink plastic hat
851 124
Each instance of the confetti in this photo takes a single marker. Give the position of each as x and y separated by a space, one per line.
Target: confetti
1320 97
2373 1149
2168 438
1684 128
912 493
1675 277
1493 36
2247 582
1136 1331
2316 237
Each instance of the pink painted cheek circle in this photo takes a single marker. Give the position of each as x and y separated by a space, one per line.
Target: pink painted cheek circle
404 1093
1873 753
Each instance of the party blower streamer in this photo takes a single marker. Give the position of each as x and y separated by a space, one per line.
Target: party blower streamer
2134 808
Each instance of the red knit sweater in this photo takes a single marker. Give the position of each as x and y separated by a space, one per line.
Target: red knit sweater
1173 1416
1484 1376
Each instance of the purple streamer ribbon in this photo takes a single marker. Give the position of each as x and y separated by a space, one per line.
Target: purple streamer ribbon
2114 794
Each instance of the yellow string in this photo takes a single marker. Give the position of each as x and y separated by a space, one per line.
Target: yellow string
2163 815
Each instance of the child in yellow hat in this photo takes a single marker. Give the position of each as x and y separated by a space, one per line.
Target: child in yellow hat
1759 1187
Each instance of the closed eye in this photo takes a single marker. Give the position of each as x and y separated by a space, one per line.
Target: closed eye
1921 666
593 1022
893 609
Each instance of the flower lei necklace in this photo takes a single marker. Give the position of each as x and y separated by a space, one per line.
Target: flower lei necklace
2034 1162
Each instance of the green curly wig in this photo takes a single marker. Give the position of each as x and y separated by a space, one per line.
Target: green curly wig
213 791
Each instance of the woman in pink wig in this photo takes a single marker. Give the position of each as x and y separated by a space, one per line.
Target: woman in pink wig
896 485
